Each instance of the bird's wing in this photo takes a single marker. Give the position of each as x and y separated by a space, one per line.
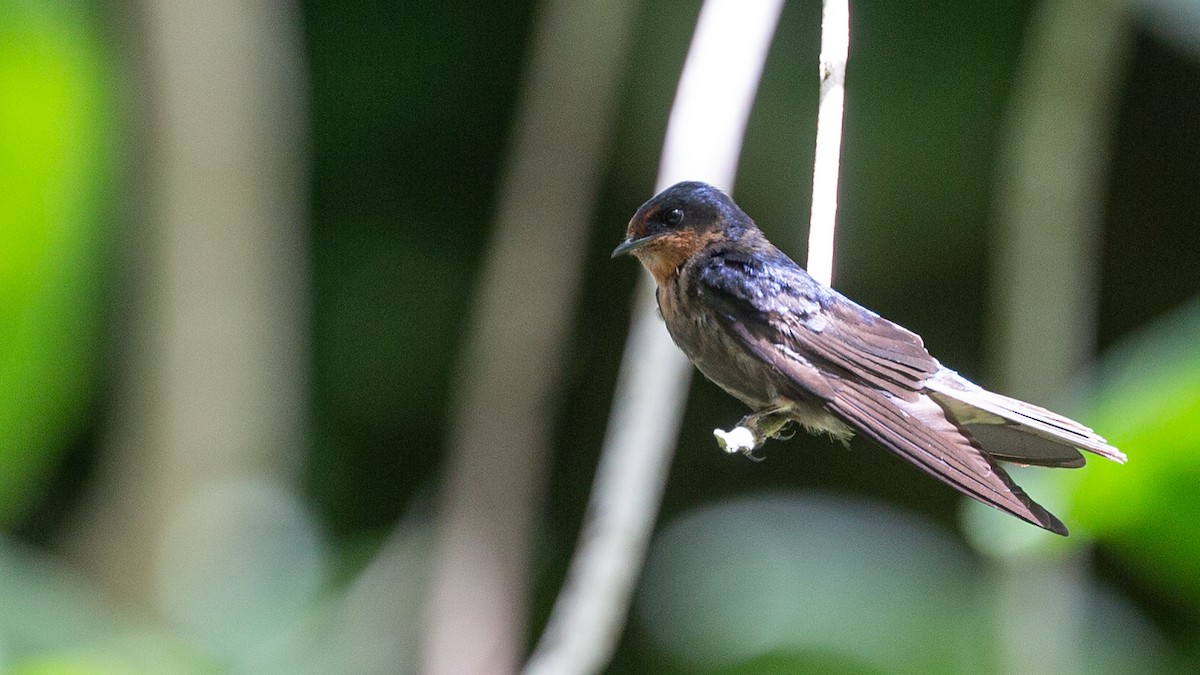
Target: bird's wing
920 432
776 305
868 371
853 340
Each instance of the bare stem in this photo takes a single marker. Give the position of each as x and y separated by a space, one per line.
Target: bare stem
500 430
835 47
713 102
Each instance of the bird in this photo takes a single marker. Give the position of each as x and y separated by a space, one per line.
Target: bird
798 352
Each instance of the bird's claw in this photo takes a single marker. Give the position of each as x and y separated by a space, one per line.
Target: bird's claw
785 432
749 454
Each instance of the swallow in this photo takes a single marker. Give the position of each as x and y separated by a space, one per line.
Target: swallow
798 352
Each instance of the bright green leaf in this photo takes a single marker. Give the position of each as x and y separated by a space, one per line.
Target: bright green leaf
56 135
1148 405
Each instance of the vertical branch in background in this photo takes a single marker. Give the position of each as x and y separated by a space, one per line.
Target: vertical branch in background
1050 195
835 49
213 365
501 415
1044 304
713 101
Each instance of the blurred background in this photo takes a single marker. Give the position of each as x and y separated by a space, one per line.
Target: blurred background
246 248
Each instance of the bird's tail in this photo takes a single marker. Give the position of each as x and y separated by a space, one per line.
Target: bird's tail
1015 431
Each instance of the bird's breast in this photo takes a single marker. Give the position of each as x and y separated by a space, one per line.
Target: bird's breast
717 354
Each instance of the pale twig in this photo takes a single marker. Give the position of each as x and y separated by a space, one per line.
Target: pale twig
835 47
501 420
712 103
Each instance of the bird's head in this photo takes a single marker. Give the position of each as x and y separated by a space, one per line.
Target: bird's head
679 222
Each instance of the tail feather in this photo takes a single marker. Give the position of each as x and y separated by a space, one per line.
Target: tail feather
1014 443
1014 430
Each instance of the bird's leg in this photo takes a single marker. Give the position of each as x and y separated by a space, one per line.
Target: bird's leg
752 431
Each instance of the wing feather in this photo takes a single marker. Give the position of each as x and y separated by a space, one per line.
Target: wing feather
786 306
921 433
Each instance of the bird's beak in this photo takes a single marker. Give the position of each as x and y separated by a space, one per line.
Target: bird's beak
630 245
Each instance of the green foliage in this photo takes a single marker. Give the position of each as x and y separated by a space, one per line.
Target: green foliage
804 583
56 131
53 623
140 654
1148 405
822 580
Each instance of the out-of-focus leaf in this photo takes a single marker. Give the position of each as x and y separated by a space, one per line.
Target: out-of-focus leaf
237 564
855 583
789 663
46 608
61 664
819 584
1148 405
135 654
56 131
42 606
367 627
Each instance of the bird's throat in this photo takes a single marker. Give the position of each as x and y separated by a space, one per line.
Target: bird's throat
667 254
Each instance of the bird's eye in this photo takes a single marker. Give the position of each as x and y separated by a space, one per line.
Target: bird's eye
673 217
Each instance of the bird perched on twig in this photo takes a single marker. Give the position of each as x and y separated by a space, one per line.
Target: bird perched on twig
755 323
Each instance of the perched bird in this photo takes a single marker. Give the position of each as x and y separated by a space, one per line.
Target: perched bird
794 350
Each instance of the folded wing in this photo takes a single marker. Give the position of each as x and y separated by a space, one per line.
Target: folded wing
879 378
920 432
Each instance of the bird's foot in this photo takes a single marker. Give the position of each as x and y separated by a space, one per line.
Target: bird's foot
785 432
738 439
752 432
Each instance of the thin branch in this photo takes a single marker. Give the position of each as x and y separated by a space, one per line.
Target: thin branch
510 369
713 102
835 48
